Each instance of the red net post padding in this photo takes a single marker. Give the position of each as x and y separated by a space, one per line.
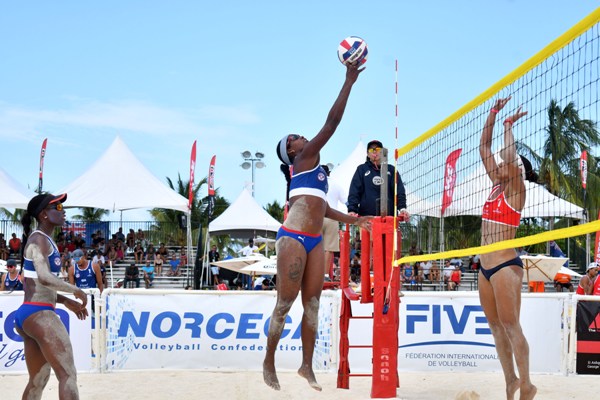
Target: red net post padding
385 316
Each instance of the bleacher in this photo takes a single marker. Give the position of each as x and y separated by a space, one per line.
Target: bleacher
160 281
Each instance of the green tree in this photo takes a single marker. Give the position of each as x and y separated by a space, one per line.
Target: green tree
567 135
90 214
275 210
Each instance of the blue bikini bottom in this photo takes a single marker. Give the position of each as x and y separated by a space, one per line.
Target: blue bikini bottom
28 309
309 241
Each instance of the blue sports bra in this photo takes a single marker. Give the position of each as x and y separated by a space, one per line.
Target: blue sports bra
311 183
53 260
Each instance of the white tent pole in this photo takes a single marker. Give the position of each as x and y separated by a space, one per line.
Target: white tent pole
204 259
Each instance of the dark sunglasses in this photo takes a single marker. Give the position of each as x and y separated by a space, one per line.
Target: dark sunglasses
10 266
291 138
57 207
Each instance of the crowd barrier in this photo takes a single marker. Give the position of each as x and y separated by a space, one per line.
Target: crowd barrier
136 329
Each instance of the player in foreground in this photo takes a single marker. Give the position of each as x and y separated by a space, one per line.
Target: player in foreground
46 340
501 272
300 254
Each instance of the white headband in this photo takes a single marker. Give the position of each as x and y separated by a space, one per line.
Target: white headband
283 155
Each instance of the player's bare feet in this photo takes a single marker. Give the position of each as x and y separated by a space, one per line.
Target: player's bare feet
307 373
528 392
511 389
270 376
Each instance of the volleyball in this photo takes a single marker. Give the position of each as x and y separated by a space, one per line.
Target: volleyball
353 49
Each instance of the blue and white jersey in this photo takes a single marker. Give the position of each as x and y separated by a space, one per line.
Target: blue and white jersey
53 259
85 278
311 183
12 284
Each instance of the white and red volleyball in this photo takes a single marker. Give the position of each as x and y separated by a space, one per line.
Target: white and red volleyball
353 49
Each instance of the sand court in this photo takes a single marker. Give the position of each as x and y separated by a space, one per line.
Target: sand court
182 385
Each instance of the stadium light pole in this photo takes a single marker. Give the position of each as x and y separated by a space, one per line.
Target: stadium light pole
251 161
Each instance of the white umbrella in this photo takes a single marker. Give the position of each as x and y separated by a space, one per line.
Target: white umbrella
541 268
238 263
266 267
568 271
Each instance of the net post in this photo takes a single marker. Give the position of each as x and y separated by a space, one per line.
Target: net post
385 322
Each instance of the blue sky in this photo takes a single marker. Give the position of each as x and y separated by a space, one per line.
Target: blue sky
238 75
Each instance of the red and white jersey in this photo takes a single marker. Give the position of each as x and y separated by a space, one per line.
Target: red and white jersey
497 210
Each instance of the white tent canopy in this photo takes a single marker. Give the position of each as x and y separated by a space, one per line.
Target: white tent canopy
13 194
244 218
137 188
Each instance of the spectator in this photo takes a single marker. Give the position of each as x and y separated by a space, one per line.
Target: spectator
12 279
408 274
164 253
158 262
65 261
101 261
112 254
174 262
130 239
83 273
454 280
457 262
148 274
426 268
474 263
258 283
563 281
250 249
586 283
138 253
434 272
3 248
448 269
183 257
132 274
364 194
120 251
120 236
214 256
14 245
139 236
150 251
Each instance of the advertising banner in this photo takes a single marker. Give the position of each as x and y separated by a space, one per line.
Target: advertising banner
206 330
588 337
12 357
451 334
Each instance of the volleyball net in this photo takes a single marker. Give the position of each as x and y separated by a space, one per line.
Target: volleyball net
445 178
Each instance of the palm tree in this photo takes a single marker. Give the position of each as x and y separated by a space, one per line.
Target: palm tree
567 135
275 210
90 214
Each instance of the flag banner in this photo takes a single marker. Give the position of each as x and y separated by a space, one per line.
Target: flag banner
588 337
211 186
597 245
192 171
42 155
450 179
583 168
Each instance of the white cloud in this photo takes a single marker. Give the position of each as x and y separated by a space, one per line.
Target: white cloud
124 115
